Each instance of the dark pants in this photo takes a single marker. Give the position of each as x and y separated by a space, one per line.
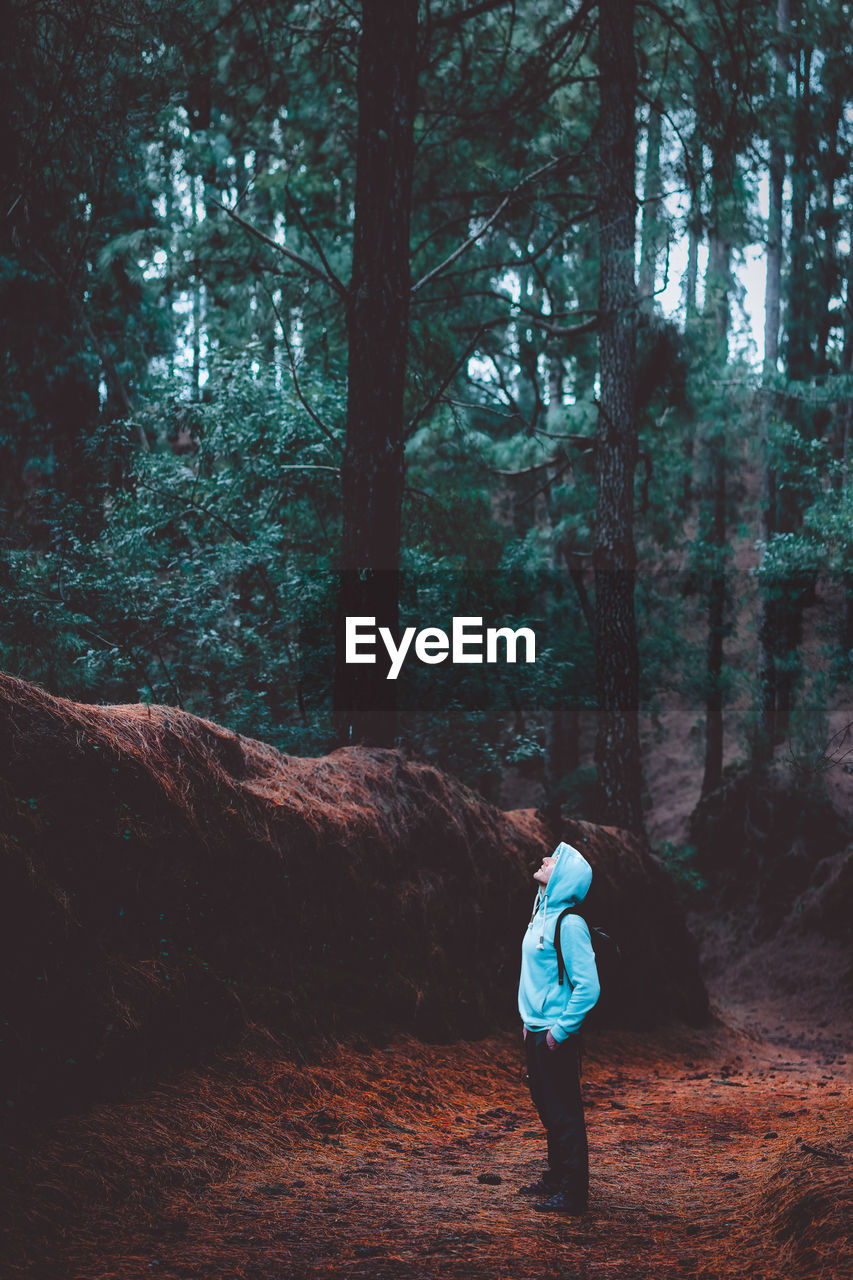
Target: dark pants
554 1079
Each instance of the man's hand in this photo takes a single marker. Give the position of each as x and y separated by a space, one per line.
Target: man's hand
524 1033
550 1041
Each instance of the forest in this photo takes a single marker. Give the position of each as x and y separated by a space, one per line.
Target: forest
554 407
534 316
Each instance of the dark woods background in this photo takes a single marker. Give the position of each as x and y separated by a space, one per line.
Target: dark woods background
316 309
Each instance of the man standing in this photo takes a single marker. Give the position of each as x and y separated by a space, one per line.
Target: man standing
552 1008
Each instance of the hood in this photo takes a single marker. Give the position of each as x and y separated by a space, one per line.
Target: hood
570 879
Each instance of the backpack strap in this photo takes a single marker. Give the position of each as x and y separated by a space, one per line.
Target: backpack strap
561 967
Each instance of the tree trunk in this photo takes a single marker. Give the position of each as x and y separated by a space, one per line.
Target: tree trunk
800 310
767 623
773 288
652 222
847 368
692 165
617 751
713 774
197 198
717 294
828 268
801 333
372 472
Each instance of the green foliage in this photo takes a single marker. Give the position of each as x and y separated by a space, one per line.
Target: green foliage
823 543
209 579
679 861
803 463
169 508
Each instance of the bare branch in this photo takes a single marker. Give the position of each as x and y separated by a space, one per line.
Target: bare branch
547 485
194 505
558 330
537 322
305 263
433 400
575 437
526 471
315 417
473 11
528 259
308 466
490 221
315 242
481 408
511 400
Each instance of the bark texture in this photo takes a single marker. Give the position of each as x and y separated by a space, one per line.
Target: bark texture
373 469
617 750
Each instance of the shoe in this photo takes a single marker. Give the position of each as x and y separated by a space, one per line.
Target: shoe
561 1203
538 1188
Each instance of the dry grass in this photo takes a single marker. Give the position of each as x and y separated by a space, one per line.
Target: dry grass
803 1208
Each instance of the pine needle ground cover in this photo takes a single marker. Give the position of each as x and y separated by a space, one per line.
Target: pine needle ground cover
713 1155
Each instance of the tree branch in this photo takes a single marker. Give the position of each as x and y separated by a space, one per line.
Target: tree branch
327 431
531 497
305 263
537 322
526 471
445 383
339 285
473 11
490 221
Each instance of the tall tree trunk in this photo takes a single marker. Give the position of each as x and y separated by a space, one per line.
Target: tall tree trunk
801 332
713 530
828 269
800 310
556 367
652 222
773 287
692 166
197 198
847 366
372 472
767 622
713 772
617 751
265 311
845 446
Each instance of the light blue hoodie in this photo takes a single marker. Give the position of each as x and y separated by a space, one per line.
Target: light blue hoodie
542 1002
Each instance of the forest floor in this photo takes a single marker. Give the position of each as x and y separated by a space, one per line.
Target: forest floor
714 1154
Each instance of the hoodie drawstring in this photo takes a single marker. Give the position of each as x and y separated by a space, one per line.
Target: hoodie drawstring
540 900
540 946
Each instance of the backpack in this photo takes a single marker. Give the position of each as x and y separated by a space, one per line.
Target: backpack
608 957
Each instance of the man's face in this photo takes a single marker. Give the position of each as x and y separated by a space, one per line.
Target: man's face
543 875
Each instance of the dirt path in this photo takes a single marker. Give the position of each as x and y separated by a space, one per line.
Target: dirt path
368 1164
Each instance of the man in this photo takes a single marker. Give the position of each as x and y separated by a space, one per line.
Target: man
552 1012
